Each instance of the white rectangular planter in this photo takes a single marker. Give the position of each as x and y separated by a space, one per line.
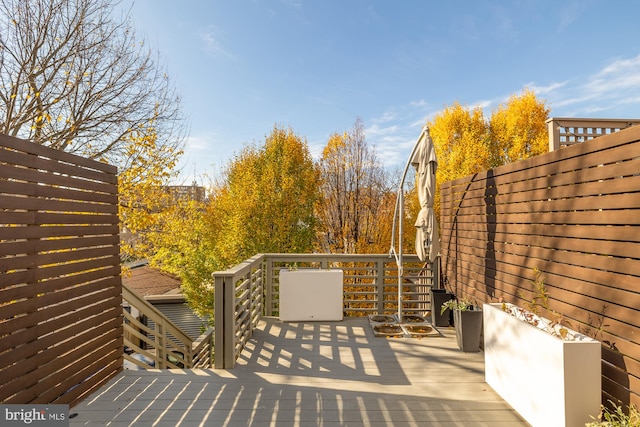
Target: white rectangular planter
311 294
547 380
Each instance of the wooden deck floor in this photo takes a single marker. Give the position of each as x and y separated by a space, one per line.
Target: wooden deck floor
312 374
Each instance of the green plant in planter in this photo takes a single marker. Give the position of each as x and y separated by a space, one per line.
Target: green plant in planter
540 300
467 320
617 417
455 304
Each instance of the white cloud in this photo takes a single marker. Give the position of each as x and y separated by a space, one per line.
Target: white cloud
635 99
296 4
376 131
197 143
568 14
386 117
543 90
614 88
484 104
393 140
619 76
622 66
212 44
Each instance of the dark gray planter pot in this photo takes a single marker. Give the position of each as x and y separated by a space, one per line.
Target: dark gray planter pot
439 297
468 325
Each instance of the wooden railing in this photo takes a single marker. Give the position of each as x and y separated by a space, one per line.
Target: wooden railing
370 281
564 132
151 340
239 302
251 289
574 214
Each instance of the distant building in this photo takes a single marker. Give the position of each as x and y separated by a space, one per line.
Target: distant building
187 192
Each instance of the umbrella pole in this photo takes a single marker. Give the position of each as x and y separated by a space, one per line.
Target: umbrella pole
400 265
400 212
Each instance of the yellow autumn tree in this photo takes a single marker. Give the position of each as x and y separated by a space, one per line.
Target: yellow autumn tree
266 202
176 235
140 186
183 244
466 143
461 140
518 130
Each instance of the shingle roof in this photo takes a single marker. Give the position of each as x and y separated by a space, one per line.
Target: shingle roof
145 281
162 290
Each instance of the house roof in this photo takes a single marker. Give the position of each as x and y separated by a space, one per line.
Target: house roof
162 290
147 281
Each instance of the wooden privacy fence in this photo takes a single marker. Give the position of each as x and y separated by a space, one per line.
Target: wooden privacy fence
575 215
60 286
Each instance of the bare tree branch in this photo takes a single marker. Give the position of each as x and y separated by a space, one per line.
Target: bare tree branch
354 190
74 78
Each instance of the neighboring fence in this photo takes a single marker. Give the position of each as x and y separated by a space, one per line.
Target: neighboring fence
575 215
151 340
249 290
60 286
568 131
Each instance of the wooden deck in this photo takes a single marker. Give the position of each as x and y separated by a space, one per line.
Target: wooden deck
312 374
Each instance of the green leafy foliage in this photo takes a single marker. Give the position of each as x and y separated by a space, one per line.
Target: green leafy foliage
617 417
184 246
462 304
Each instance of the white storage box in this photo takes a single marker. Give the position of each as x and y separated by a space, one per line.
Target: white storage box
311 295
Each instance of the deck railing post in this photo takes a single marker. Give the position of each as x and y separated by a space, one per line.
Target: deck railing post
268 285
188 355
380 286
160 345
219 322
435 281
553 129
229 288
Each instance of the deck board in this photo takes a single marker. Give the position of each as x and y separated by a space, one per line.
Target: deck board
315 374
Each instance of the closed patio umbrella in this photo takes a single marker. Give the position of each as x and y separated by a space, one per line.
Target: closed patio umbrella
423 158
425 162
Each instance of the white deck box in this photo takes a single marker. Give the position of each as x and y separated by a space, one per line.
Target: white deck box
311 295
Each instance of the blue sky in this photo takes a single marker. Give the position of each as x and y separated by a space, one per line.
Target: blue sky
243 66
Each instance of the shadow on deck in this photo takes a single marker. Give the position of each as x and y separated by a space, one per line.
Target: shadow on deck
322 374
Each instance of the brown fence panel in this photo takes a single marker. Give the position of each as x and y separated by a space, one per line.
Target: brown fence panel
575 215
60 288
